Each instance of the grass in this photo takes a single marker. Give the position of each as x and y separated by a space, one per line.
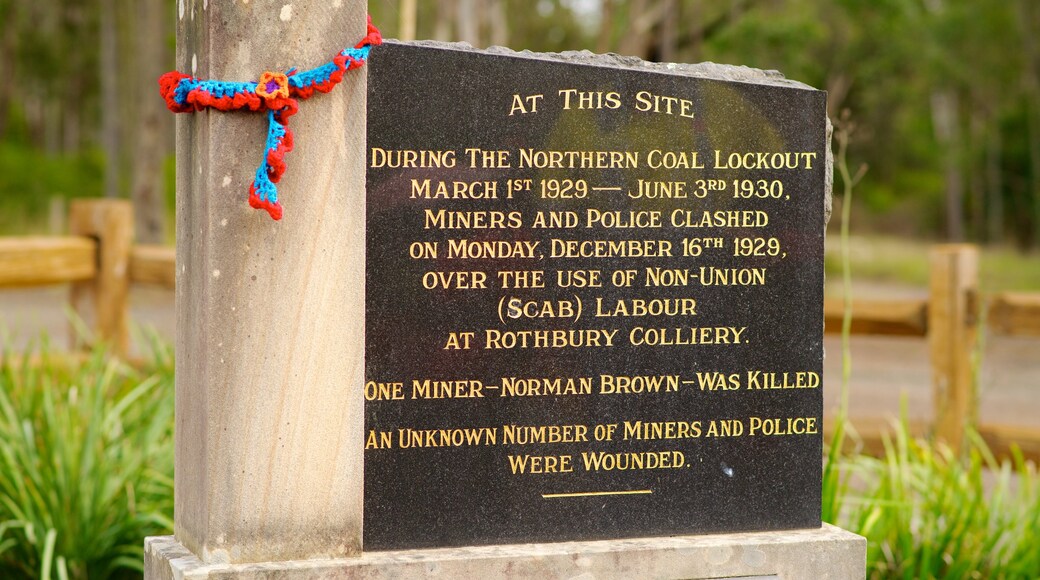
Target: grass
905 262
86 463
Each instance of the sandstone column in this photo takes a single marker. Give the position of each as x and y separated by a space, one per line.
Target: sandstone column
270 314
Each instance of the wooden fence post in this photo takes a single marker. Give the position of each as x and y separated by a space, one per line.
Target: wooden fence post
270 314
952 333
102 301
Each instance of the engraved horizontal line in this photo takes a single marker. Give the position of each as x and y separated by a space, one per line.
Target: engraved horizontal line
596 493
606 188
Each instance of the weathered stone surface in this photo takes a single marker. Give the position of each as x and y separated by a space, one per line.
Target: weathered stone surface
270 314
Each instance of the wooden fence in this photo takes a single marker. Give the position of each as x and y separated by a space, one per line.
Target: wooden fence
100 261
949 319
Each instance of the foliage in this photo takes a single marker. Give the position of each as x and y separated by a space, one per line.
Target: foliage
30 179
86 463
896 65
927 513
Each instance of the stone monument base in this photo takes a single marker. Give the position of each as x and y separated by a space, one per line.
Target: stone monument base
827 552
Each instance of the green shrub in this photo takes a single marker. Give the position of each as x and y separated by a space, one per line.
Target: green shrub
86 464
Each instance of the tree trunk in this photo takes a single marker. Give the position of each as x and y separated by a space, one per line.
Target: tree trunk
838 85
1031 84
498 23
947 134
48 25
466 21
130 91
445 16
71 135
108 60
409 8
695 17
976 165
147 190
7 65
51 124
72 89
994 186
606 26
634 40
668 40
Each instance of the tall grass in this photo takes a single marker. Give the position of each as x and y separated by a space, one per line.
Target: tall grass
86 463
927 513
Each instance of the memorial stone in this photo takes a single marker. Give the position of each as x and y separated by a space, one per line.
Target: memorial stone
589 309
594 292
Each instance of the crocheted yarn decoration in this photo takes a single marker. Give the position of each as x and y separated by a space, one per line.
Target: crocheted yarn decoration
274 92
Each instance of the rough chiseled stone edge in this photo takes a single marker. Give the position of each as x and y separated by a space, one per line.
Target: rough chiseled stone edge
704 70
827 552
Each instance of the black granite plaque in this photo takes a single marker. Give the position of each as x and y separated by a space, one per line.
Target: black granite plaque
594 299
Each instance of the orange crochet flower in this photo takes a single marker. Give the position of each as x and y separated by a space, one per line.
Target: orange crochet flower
273 85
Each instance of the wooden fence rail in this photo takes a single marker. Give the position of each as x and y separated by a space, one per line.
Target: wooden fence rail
153 265
881 317
100 262
39 261
1014 314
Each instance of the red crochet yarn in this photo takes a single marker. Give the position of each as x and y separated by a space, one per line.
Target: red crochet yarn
276 93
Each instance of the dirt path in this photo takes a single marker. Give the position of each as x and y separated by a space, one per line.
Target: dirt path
26 315
884 370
